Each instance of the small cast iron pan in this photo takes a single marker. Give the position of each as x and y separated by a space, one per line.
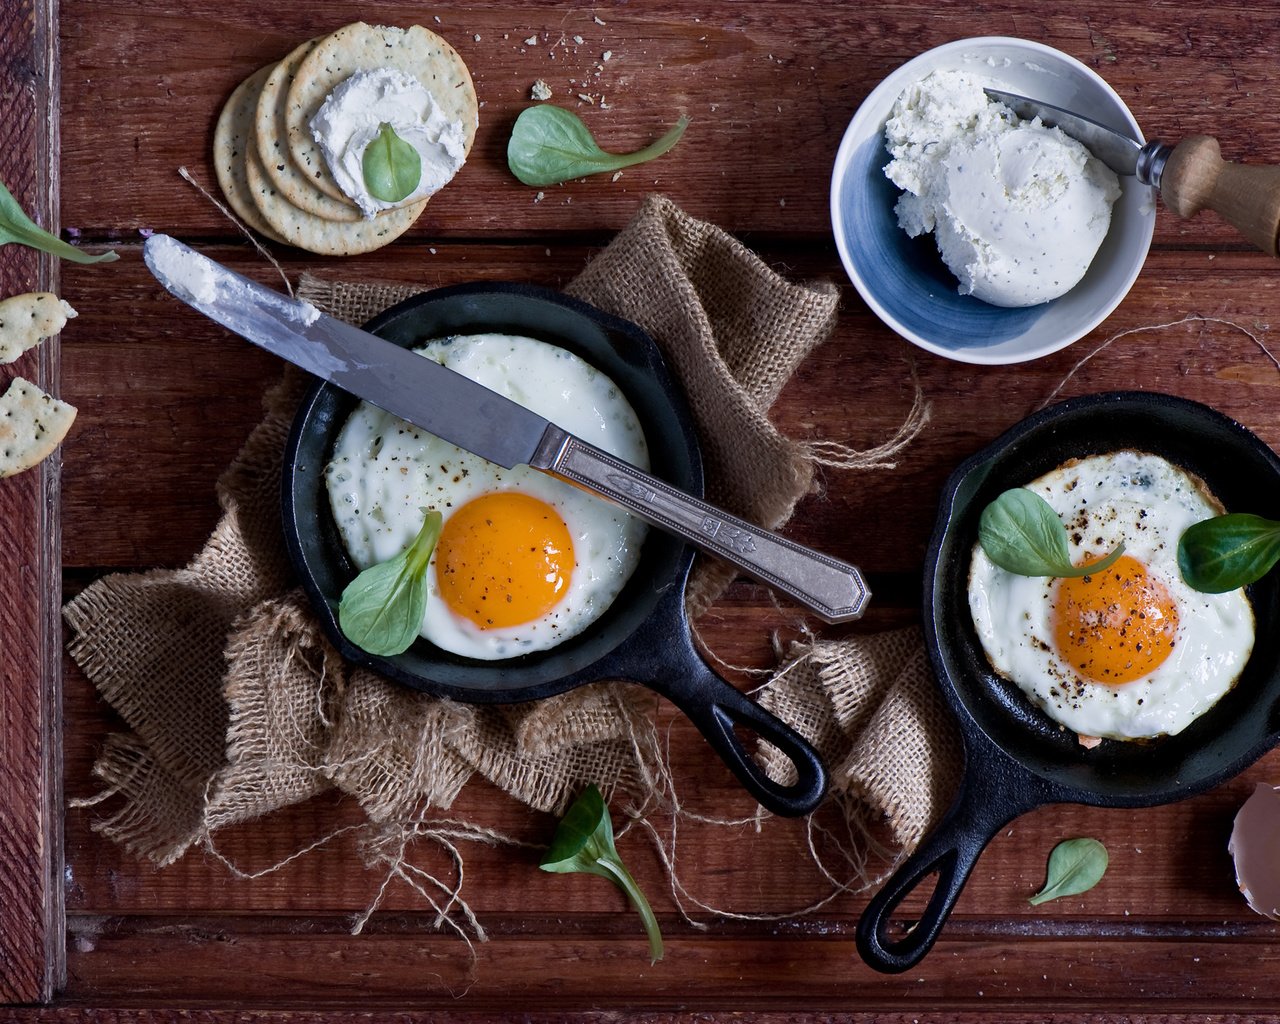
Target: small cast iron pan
1016 758
644 636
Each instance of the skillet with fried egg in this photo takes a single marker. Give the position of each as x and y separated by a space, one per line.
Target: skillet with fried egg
1016 757
644 635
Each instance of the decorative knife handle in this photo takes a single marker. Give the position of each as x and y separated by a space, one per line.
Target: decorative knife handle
833 589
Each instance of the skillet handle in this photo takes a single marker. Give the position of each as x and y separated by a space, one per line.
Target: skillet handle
716 707
951 850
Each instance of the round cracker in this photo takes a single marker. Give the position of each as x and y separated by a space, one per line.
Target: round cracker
360 47
318 235
270 130
232 137
32 425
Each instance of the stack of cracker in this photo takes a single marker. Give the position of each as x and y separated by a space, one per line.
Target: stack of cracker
272 171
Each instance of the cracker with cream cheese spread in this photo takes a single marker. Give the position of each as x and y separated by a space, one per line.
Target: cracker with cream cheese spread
318 234
360 47
312 193
26 320
32 425
232 138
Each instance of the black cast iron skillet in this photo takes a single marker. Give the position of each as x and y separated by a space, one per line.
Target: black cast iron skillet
1015 757
644 637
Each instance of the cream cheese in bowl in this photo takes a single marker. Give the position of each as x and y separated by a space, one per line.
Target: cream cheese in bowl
904 280
1018 209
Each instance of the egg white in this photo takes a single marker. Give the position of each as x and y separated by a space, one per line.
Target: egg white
1147 503
384 472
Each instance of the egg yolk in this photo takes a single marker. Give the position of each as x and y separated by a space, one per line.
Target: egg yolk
1114 626
503 559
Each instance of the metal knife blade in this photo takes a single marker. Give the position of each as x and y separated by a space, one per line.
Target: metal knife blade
492 426
1118 151
393 378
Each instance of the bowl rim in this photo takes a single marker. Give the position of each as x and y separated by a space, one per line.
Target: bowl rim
844 153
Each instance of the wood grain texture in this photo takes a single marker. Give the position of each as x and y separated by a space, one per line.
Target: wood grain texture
31 917
166 400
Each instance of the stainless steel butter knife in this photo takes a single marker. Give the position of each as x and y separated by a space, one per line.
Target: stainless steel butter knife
1191 176
487 424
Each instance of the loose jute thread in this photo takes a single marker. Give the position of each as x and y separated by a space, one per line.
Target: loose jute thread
1189 318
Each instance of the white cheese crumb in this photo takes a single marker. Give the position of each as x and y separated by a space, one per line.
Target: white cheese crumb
531 41
539 197
597 21
608 55
578 40
476 37
437 19
586 97
540 90
616 175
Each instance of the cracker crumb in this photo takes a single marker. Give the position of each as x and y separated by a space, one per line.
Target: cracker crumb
437 19
616 175
531 41
586 97
539 197
540 90
597 20
431 250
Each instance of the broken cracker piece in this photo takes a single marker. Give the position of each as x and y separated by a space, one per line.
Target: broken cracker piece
32 425
27 319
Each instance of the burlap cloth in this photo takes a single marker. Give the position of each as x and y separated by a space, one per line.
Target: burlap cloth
236 705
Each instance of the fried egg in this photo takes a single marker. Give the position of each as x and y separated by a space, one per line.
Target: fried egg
524 561
1130 652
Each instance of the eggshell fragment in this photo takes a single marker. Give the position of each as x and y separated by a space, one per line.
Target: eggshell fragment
1255 846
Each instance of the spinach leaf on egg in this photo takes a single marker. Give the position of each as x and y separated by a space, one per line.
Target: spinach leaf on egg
1022 534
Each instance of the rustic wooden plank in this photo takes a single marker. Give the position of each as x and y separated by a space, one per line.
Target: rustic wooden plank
767 79
137 960
1168 864
31 910
146 385
131 1013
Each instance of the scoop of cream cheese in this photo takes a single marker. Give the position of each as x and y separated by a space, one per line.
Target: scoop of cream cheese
1018 209
349 119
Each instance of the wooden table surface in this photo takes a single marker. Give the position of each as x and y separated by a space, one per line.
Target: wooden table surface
103 101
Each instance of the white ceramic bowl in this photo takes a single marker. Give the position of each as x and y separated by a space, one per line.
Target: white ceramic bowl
904 280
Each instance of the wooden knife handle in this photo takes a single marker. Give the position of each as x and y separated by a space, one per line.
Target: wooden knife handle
1197 178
